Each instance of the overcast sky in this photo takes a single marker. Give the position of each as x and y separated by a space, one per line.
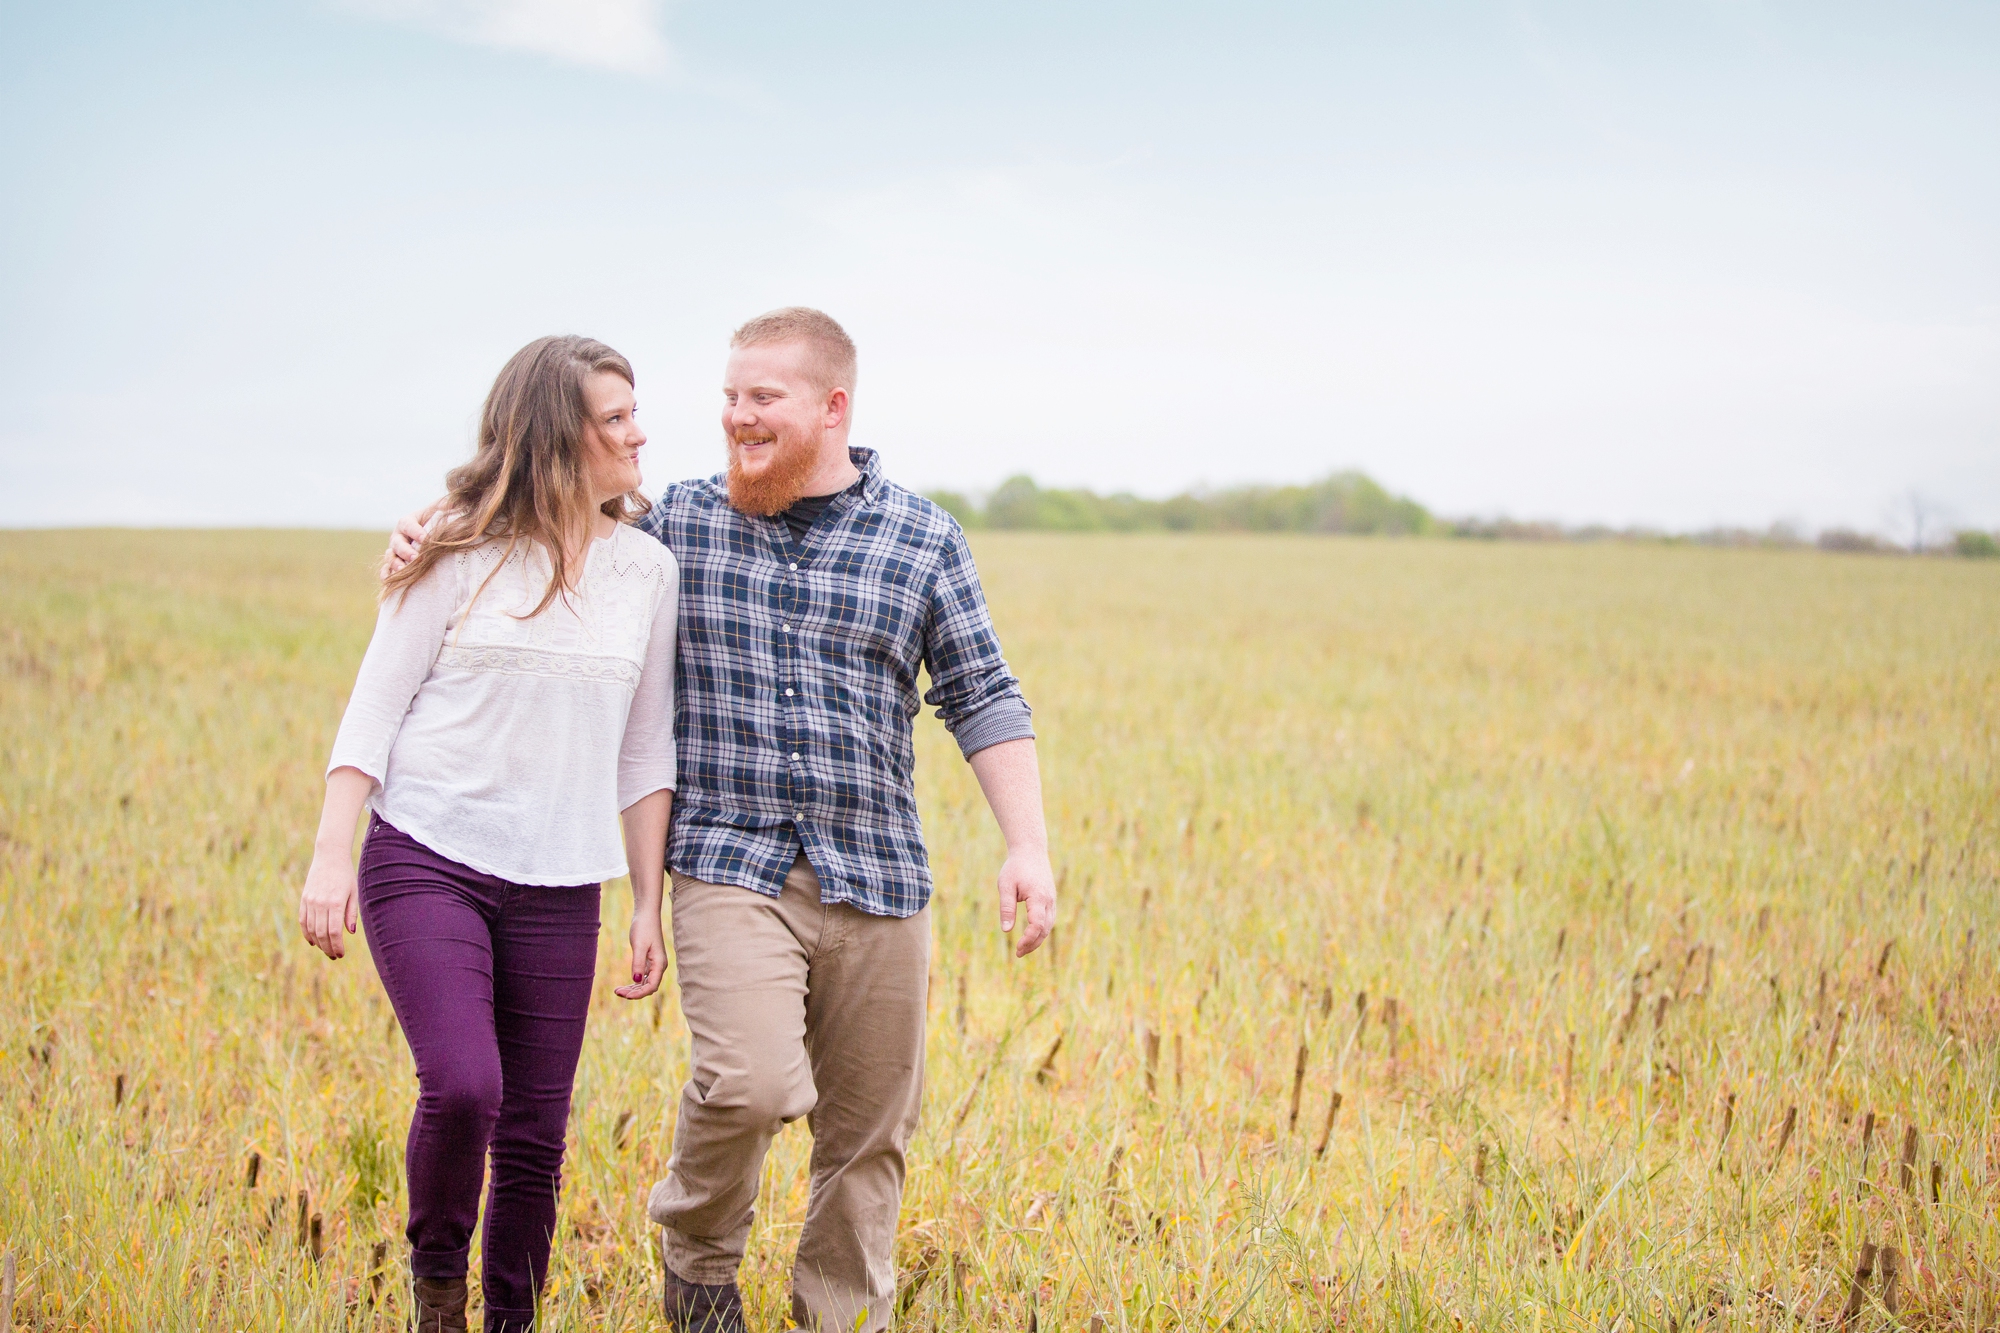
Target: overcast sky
1679 264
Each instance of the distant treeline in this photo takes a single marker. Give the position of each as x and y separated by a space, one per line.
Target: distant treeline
1344 502
1353 502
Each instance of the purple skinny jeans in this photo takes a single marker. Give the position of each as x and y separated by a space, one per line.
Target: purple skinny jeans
491 982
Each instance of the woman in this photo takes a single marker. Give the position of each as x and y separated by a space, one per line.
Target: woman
517 694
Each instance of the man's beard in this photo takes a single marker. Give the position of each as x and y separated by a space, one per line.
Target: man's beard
780 485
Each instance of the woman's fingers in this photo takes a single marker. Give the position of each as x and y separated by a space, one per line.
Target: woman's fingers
320 924
329 904
638 990
648 963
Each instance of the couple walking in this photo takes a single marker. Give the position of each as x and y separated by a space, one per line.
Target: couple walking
732 672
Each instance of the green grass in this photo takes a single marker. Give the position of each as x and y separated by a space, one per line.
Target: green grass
1622 834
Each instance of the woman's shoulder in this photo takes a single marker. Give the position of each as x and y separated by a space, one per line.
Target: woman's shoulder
482 549
480 559
449 568
641 553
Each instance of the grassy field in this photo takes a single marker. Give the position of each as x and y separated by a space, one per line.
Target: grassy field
1454 936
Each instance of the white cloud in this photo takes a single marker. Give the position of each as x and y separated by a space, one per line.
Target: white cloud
607 34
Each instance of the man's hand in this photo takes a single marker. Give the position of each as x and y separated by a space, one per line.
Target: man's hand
407 537
1028 888
1012 781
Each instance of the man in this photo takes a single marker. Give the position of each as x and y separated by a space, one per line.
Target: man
812 589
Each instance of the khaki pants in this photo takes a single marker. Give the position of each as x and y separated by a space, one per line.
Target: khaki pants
796 1009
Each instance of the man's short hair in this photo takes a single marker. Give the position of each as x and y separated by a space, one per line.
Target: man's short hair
830 360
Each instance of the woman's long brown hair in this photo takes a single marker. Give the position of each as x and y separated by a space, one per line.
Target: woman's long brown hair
528 481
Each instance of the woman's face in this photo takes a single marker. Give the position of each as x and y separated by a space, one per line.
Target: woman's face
615 436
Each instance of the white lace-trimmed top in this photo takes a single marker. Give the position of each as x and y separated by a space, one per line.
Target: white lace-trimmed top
511 745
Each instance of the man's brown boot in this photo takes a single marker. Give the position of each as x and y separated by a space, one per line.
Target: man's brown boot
440 1305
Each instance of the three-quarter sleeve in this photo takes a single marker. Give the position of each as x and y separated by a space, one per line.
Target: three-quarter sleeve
646 757
974 693
409 630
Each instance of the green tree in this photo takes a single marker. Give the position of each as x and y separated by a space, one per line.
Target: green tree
1976 544
1344 502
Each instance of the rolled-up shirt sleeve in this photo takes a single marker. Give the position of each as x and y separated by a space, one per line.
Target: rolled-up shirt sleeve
1005 719
409 630
646 757
975 695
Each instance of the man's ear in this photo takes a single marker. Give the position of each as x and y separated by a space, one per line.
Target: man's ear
837 403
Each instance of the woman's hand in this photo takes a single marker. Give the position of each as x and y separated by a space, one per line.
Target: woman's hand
328 903
649 955
645 822
329 900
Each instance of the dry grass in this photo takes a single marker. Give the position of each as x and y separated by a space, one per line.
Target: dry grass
1617 892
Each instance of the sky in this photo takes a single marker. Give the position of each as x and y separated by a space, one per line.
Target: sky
1674 264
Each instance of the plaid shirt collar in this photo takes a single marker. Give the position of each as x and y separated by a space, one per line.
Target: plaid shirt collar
869 464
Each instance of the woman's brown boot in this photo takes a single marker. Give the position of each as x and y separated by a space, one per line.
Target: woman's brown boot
440 1305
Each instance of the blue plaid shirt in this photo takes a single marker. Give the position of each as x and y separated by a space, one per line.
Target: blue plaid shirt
797 685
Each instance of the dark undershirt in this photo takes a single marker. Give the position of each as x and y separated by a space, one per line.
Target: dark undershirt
805 512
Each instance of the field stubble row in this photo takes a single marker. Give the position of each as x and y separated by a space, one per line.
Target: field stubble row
1453 936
